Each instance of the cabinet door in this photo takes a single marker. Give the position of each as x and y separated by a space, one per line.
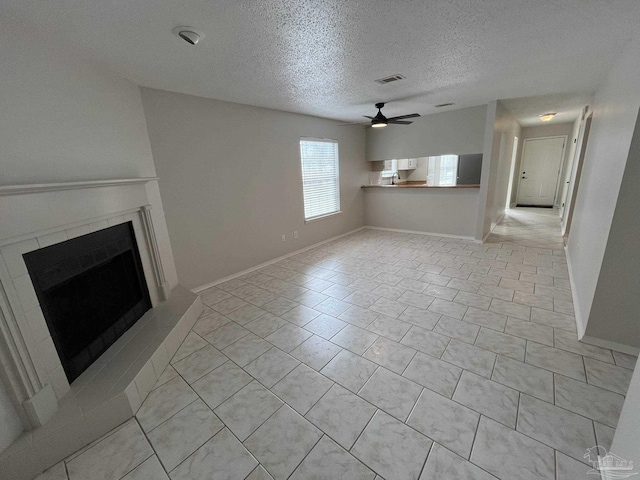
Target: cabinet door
388 164
403 164
413 163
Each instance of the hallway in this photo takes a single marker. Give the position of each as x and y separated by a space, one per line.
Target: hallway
531 227
381 355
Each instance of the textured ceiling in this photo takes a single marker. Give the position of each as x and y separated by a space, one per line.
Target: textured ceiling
321 57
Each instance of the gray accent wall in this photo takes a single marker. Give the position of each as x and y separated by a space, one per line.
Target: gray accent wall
455 132
230 180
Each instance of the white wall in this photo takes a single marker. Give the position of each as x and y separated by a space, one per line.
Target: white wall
10 424
231 184
615 110
438 210
616 303
500 130
63 119
455 132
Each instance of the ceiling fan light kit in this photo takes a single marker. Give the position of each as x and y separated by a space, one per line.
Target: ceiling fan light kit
380 121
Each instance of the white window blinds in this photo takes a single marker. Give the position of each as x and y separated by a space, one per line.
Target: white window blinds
320 177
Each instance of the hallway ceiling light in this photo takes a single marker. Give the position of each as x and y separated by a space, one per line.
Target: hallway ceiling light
547 116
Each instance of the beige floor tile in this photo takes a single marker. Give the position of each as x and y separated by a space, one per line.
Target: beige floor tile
488 398
565 431
444 464
425 341
223 454
342 415
295 436
510 455
470 358
185 432
302 388
247 409
608 376
392 449
445 421
328 461
349 370
556 360
112 457
392 393
215 387
270 367
163 402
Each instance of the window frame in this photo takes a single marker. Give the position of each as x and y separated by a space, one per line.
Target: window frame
337 177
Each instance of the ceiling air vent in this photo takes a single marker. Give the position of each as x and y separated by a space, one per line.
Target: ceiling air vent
444 105
392 78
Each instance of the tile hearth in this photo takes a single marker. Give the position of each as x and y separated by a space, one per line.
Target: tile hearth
380 355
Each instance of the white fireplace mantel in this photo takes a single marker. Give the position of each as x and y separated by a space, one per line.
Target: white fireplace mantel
36 216
60 418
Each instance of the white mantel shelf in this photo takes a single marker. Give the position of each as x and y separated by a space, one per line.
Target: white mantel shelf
49 187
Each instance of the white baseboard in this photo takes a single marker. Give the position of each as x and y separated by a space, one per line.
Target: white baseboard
270 262
433 234
618 347
581 324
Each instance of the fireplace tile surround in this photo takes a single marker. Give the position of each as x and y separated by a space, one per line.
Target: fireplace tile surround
60 418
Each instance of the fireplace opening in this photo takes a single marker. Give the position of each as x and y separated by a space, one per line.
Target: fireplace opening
91 290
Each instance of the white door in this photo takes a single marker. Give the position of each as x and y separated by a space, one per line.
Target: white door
541 159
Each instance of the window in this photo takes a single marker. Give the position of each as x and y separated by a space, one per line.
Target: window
442 170
390 167
320 178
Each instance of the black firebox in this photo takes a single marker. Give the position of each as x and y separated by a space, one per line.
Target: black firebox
91 290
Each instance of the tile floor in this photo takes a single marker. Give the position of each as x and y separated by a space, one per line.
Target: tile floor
380 355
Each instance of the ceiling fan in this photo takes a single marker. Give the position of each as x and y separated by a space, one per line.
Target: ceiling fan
380 121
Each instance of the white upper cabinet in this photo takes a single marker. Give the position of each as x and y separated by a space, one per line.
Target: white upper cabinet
407 163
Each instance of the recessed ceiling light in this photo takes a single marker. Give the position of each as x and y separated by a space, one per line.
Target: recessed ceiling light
547 116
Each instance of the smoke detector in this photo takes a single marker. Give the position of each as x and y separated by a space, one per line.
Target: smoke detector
188 34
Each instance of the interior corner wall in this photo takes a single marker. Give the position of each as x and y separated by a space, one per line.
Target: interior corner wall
230 180
615 110
501 128
63 119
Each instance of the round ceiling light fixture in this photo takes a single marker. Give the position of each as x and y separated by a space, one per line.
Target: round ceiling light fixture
188 34
545 117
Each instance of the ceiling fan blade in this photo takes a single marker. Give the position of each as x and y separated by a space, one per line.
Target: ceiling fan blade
355 123
398 122
402 117
367 116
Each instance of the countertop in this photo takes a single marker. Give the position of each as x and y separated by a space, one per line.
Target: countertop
418 185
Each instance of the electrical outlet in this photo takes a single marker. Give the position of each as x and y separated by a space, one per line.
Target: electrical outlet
295 234
284 237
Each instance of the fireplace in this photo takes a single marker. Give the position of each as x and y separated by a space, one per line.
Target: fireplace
91 290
